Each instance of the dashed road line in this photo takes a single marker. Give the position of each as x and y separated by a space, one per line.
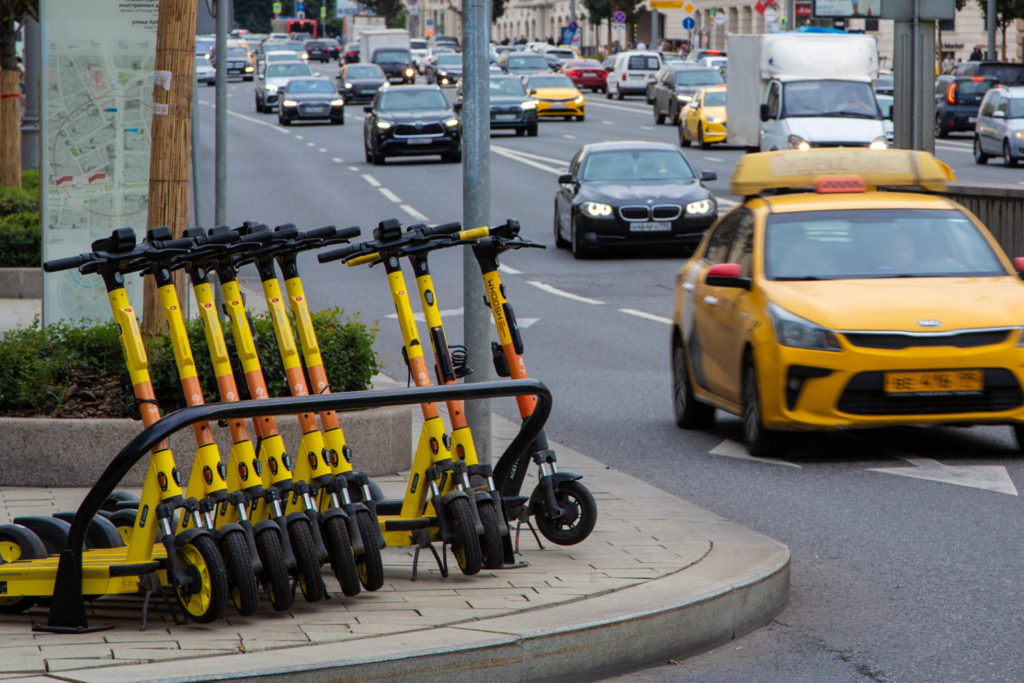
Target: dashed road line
300 137
353 168
414 213
568 137
310 144
322 150
370 179
543 286
390 195
718 159
337 160
510 270
646 316
608 123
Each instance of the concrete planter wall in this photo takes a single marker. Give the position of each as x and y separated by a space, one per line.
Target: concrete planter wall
21 283
63 452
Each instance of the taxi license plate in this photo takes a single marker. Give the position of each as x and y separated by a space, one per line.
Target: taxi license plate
934 382
650 226
557 107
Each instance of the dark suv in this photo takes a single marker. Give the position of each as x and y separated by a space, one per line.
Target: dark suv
396 63
410 120
957 99
1005 73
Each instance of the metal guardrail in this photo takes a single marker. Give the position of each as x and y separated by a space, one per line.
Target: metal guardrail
1000 207
67 607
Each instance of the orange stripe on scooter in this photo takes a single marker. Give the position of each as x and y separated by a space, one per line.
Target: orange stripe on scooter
194 397
265 426
419 375
517 370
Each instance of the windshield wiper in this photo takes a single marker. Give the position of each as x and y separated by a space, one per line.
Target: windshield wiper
801 278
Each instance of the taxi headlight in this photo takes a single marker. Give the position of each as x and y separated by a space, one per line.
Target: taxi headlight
579 100
383 125
715 119
792 330
338 102
797 142
529 104
700 208
409 73
290 103
304 55
878 143
597 209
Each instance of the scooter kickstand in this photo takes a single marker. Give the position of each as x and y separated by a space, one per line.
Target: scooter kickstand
422 539
150 584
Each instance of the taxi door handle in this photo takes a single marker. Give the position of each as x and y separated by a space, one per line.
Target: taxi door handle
711 300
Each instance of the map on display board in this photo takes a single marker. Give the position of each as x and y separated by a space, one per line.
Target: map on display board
97 104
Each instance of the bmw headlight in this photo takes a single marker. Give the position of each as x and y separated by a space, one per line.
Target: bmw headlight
879 143
271 87
797 142
338 102
579 100
529 104
597 209
452 122
701 207
792 330
290 103
383 125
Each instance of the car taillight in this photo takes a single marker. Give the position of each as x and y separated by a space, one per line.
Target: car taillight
951 93
623 75
604 74
575 73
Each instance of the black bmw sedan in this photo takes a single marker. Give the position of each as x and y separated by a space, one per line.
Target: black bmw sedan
411 120
623 194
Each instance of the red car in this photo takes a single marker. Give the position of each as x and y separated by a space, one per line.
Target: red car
585 73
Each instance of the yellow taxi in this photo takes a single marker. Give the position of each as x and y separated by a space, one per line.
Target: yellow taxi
840 306
556 95
702 120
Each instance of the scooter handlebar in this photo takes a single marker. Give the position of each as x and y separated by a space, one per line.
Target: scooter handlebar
66 263
321 233
443 229
338 254
363 259
348 233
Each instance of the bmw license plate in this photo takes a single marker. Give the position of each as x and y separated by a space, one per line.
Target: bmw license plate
650 226
934 382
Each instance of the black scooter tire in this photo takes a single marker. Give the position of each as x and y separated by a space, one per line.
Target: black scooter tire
492 548
465 544
307 563
275 572
369 565
18 543
124 520
339 552
205 599
245 591
579 515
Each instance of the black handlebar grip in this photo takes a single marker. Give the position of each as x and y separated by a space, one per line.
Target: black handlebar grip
509 228
339 253
318 233
349 232
216 236
444 229
66 263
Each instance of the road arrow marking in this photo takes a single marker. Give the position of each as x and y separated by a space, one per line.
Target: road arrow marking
734 449
986 477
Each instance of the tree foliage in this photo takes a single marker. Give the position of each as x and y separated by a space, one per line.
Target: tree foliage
1007 11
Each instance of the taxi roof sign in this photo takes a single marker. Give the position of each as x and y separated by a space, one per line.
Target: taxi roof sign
756 173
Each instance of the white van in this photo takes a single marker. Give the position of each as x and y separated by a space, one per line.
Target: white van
631 72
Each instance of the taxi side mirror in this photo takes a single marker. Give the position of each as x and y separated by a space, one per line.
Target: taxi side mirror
1018 265
726 275
764 112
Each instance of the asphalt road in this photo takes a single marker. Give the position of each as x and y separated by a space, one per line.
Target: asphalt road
906 549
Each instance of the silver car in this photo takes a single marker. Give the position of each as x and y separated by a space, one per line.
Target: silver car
274 78
999 130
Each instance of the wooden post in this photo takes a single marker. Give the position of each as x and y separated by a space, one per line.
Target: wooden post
169 165
10 99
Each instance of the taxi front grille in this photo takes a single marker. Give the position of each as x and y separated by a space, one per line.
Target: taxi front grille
897 340
865 395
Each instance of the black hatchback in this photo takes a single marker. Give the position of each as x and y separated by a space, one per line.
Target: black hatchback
957 99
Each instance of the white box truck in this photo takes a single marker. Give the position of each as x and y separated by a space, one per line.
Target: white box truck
388 48
803 90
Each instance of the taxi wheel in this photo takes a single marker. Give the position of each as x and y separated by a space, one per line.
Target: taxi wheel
760 442
1008 157
683 142
690 414
979 156
700 138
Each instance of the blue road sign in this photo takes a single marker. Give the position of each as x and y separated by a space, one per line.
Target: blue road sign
689 24
619 17
573 25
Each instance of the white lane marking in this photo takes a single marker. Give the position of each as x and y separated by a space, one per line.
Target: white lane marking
357 117
279 129
621 107
646 127
299 137
568 137
337 160
370 179
543 286
713 159
529 162
390 195
953 147
529 155
414 213
310 144
608 123
645 315
728 203
322 150
508 269
353 168
987 477
734 449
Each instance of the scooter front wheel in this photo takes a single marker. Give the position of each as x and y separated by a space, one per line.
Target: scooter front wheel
369 564
579 515
339 552
18 543
245 592
465 544
206 592
307 565
275 572
491 546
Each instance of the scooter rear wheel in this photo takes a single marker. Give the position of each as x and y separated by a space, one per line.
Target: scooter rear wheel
491 546
307 565
275 572
207 593
369 565
18 543
339 552
579 515
124 520
465 544
245 592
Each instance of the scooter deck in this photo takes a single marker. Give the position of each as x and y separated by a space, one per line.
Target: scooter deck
105 571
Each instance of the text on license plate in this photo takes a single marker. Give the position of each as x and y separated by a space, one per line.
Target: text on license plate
505 117
650 226
419 141
934 381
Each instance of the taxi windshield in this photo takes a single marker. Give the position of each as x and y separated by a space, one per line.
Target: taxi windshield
715 98
876 243
637 165
553 81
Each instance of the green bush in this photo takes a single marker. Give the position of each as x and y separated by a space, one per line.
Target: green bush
22 239
76 369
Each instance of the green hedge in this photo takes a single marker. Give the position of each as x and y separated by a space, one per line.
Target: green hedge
77 369
20 232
